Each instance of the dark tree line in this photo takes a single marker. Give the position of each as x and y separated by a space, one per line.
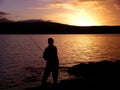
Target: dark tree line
53 28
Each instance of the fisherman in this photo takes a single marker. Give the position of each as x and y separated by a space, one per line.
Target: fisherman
52 62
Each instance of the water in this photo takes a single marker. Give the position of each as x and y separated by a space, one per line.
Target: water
21 65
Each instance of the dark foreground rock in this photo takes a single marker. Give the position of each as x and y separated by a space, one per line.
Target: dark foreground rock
101 75
104 74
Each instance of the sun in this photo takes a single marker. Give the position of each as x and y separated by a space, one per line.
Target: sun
82 18
79 18
83 22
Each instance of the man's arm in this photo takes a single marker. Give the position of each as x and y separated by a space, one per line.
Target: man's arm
45 54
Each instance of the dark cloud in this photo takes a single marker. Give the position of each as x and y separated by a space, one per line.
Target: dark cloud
2 14
5 20
3 17
117 2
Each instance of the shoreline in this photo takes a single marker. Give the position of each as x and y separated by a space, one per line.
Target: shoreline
99 75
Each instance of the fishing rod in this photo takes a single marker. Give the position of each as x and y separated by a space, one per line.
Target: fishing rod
35 43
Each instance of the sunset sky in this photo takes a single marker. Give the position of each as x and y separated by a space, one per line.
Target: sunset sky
72 12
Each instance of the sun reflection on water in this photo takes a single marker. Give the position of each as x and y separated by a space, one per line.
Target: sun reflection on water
83 48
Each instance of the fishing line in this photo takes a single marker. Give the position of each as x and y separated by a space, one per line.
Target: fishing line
35 44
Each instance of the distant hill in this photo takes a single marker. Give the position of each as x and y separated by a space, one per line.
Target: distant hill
47 27
31 20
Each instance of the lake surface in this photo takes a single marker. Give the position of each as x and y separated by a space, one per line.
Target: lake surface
22 65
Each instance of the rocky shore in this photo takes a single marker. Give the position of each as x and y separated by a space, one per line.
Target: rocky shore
99 75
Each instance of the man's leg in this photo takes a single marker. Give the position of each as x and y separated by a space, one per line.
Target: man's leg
55 75
45 75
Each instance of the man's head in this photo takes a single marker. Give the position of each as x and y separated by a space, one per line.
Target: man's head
50 41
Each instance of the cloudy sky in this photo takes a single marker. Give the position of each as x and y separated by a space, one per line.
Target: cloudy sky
72 12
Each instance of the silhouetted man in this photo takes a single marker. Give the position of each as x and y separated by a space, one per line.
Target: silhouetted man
52 62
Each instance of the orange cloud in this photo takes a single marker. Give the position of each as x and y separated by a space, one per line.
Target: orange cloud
82 11
62 5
